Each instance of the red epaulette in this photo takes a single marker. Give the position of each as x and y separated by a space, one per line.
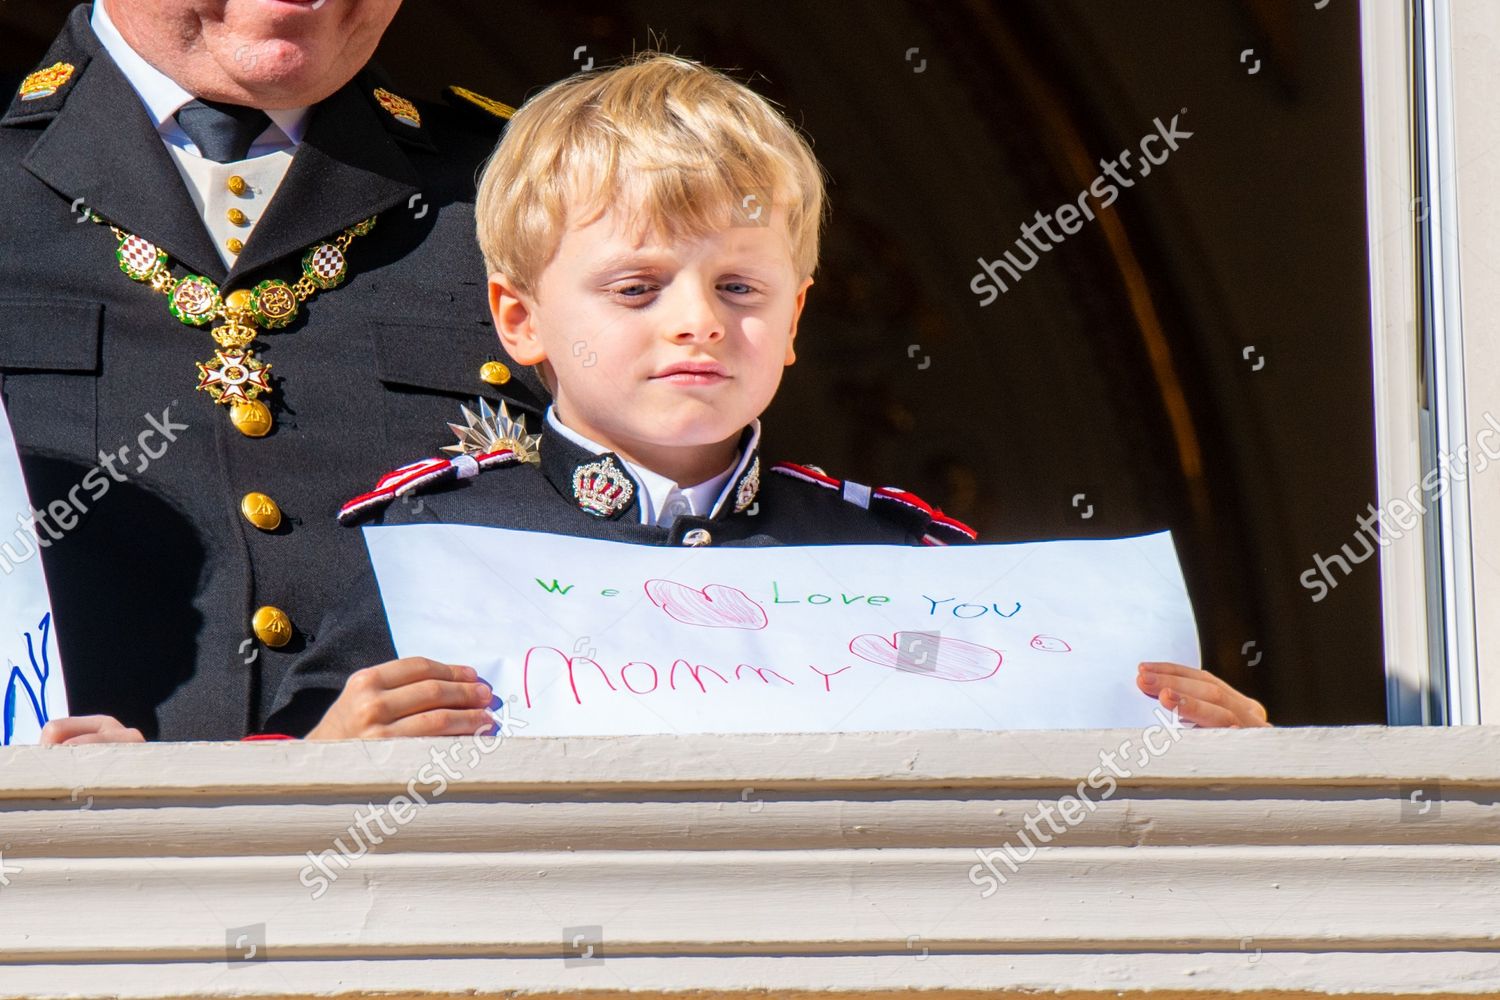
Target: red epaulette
418 475
940 529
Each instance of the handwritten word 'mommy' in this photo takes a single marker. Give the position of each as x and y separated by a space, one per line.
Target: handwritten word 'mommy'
979 610
641 678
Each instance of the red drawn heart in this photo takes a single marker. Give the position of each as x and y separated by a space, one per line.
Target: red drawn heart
928 654
715 606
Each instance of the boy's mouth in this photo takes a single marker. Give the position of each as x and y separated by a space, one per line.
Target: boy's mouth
693 373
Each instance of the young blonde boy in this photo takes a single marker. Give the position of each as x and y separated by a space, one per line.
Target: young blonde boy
651 231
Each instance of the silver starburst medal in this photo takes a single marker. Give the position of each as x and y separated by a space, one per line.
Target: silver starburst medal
489 431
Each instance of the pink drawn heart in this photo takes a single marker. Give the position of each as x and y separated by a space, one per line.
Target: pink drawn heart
928 654
715 606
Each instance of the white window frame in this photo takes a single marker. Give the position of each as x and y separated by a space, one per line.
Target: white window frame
1424 101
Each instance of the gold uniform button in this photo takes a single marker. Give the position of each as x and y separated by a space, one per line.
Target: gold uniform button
237 184
237 217
251 418
261 511
234 245
494 373
272 626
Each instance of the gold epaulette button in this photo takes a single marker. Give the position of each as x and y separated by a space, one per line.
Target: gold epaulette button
494 372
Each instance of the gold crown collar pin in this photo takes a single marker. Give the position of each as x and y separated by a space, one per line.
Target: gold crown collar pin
46 82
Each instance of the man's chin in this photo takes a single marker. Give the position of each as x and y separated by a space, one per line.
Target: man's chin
277 72
277 91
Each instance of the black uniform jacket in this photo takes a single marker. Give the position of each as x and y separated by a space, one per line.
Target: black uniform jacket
155 587
786 505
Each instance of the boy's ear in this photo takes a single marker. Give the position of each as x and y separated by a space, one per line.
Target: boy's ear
515 321
791 353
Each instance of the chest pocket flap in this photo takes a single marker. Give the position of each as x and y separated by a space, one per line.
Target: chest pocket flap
436 357
49 365
39 335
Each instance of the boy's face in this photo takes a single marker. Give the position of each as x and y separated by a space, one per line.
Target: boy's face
661 349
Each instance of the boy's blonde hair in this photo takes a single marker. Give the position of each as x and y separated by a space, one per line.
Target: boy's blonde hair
684 146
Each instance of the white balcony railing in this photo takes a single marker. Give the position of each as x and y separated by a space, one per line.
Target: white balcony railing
1272 862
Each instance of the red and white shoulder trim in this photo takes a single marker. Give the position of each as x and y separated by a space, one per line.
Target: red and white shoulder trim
941 528
806 473
413 477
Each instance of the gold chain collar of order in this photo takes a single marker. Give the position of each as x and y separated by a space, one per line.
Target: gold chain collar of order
234 377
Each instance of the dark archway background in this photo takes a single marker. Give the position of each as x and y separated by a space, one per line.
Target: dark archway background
1198 358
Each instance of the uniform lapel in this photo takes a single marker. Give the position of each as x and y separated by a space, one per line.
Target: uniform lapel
347 168
135 185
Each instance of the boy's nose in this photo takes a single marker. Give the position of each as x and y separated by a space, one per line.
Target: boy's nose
696 318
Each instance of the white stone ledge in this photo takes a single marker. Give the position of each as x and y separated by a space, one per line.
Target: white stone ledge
1245 862
1354 756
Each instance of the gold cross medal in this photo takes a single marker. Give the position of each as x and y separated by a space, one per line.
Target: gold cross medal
234 377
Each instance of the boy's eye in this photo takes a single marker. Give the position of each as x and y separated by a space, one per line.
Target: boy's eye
634 291
737 288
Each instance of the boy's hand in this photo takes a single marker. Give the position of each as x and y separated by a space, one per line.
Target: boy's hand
410 697
1199 697
80 729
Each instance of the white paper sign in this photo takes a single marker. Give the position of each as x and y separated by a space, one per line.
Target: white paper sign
586 637
31 688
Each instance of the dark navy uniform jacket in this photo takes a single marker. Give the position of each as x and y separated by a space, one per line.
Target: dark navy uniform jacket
784 505
155 587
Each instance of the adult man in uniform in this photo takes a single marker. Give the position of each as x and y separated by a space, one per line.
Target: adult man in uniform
204 341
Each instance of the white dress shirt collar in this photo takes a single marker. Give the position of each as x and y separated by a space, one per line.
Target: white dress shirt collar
164 97
661 500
